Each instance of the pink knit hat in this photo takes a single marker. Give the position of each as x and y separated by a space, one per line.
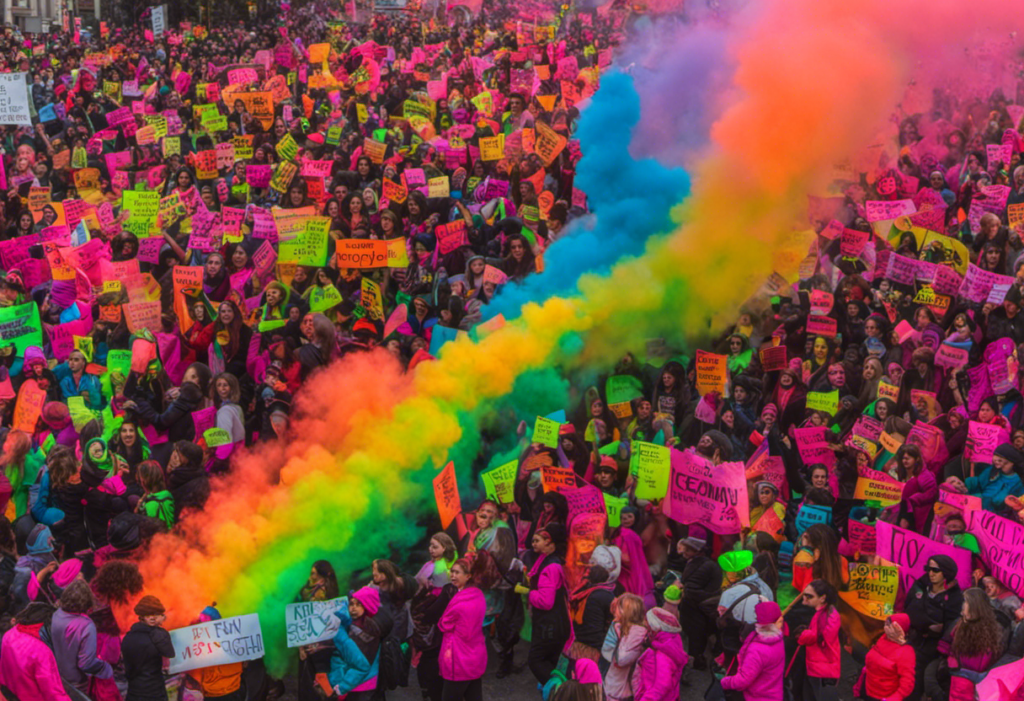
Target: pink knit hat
369 598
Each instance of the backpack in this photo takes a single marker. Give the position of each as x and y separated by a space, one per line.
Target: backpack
164 508
393 666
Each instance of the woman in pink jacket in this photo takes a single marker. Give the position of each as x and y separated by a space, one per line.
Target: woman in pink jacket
27 665
762 658
821 638
463 650
660 668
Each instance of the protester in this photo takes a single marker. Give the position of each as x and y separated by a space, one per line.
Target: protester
144 648
889 666
762 658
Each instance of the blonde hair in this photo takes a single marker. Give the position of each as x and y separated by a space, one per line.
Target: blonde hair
629 612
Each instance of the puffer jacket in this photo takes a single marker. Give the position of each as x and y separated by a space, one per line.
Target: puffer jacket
823 661
762 660
660 667
623 656
356 658
463 649
28 667
889 670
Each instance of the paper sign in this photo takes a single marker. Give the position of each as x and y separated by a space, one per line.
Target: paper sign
499 482
773 358
948 356
821 326
812 445
711 372
651 464
556 478
14 107
446 493
872 589
982 440
28 407
225 641
1002 546
823 401
862 537
881 488
312 621
545 432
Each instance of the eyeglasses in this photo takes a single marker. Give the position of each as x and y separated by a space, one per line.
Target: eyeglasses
932 569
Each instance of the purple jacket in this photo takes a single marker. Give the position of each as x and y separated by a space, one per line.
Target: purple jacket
463 650
659 669
74 646
28 668
762 660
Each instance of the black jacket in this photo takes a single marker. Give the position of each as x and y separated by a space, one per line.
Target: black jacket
925 611
701 579
590 626
87 512
552 625
177 419
143 650
190 488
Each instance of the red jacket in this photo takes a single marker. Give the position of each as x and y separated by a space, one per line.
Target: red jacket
889 670
823 661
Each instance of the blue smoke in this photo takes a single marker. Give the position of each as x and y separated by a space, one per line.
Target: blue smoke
630 198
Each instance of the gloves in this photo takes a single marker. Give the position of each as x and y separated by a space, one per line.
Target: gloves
520 589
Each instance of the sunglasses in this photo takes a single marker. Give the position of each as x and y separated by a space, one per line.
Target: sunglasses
932 569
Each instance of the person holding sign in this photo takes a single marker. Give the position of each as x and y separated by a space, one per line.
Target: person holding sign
919 488
356 656
995 483
315 659
143 650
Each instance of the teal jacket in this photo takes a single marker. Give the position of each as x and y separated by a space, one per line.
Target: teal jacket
993 486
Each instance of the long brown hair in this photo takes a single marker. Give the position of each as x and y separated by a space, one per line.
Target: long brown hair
980 634
827 566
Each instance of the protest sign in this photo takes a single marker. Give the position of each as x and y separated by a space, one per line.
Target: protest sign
360 253
948 356
14 108
812 445
821 326
28 408
21 327
311 622
652 467
823 401
882 488
613 506
446 493
556 478
711 372
713 495
982 440
911 552
158 17
499 482
545 432
862 537
1002 546
872 589
585 500
220 642
371 299
810 514
773 358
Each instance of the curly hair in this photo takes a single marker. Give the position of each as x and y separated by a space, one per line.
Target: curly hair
118 581
978 633
76 597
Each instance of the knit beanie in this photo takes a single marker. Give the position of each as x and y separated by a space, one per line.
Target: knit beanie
149 605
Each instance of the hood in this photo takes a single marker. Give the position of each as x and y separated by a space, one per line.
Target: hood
610 558
763 638
34 353
671 645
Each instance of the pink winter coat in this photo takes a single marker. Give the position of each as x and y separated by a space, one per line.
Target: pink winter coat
762 660
627 650
823 661
660 667
28 667
463 650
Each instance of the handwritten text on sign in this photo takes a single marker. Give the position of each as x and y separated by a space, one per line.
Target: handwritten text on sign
312 621
228 640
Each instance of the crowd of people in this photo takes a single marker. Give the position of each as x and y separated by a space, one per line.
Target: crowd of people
197 222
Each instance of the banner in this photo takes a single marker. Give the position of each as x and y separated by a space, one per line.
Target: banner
226 641
1002 547
713 495
912 551
312 621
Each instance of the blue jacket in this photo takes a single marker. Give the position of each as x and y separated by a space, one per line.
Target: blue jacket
45 509
89 383
993 492
350 666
